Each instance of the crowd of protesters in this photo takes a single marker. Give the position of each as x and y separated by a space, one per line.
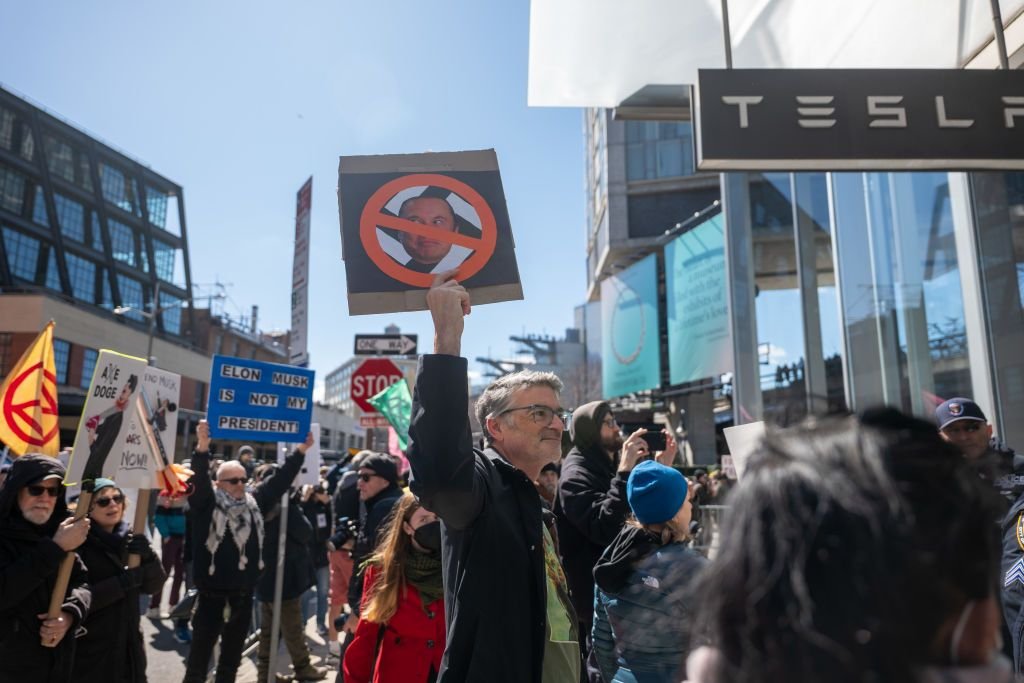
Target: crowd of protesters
876 547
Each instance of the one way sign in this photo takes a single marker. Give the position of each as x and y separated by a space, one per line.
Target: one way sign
385 344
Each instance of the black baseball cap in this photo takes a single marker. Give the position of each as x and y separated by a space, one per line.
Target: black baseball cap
956 409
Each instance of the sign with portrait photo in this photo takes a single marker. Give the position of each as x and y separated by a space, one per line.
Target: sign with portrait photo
129 423
407 217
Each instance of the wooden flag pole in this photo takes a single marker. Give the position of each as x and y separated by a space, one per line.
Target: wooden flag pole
68 563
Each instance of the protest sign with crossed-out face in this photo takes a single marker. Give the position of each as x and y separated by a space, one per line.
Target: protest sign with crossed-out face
407 217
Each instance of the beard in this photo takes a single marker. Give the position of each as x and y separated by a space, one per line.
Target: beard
37 516
612 444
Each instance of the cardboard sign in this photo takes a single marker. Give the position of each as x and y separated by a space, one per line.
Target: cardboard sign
743 440
253 400
310 472
129 423
407 217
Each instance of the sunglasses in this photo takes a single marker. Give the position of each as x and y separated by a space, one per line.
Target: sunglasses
104 502
367 477
234 481
36 490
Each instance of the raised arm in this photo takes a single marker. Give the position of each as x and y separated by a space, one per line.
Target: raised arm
202 494
268 494
441 444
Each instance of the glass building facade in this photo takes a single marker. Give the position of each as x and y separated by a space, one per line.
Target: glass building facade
84 222
847 290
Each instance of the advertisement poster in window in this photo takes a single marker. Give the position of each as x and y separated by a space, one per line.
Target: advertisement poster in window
629 329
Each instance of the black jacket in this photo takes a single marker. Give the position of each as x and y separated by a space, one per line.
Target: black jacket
492 549
29 562
298 566
372 516
590 509
227 578
111 649
319 516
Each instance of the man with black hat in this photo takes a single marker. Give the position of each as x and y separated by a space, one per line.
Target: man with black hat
962 423
590 506
378 493
35 535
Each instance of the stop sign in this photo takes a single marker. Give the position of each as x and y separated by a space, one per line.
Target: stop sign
372 377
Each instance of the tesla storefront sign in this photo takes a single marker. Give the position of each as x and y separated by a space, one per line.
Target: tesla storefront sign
859 119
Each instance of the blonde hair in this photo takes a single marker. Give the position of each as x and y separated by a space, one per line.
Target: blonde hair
381 600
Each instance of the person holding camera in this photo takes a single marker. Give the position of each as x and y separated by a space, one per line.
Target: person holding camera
590 506
111 646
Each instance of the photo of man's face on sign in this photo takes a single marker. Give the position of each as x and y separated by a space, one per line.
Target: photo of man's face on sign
406 218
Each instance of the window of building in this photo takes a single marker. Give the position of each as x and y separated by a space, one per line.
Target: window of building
156 206
52 273
61 354
22 254
658 149
122 242
171 315
325 437
66 162
131 296
164 255
12 190
15 135
39 208
88 367
107 300
97 234
83 277
5 352
70 217
117 189
143 254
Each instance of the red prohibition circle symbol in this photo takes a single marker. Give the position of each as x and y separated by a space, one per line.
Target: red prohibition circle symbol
373 216
17 413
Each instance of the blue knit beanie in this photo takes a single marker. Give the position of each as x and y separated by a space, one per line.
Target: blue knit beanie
102 483
655 492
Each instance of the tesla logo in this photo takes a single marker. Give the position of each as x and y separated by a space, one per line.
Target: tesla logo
884 111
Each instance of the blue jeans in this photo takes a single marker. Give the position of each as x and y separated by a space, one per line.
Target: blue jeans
323 578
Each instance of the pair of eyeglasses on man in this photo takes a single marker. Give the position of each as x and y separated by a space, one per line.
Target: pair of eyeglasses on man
234 481
35 490
367 477
107 500
540 414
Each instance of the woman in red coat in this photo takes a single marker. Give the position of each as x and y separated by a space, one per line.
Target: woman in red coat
401 633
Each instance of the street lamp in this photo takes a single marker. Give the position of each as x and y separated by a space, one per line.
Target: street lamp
151 316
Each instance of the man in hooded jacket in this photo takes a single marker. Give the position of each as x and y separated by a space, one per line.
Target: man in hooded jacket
590 506
35 535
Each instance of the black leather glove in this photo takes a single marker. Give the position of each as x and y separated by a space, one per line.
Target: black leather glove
138 544
131 578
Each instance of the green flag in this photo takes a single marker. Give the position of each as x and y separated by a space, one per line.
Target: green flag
395 403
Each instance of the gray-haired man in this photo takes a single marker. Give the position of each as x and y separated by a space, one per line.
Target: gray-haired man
506 598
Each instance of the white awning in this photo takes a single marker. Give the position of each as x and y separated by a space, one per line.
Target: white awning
597 53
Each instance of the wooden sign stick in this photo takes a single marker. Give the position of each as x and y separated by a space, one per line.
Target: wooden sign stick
156 449
68 563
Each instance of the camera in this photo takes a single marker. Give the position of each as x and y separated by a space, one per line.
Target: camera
346 530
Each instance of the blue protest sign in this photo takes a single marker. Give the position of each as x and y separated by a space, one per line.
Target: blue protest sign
251 400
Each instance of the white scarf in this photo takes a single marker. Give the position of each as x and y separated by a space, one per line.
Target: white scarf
238 516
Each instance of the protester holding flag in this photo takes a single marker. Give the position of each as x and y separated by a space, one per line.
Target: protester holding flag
111 647
35 536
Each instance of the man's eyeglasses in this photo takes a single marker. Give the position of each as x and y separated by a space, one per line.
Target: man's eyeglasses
609 422
234 481
540 414
35 490
367 477
104 502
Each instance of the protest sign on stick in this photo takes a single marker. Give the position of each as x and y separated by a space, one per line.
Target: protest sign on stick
407 217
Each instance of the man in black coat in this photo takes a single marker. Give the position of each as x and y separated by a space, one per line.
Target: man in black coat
227 553
378 493
35 535
506 598
298 576
590 507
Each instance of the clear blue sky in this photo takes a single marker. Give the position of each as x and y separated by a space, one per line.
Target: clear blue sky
239 102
